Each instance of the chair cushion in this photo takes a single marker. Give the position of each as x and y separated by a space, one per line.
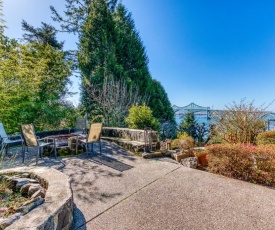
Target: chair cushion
29 135
95 132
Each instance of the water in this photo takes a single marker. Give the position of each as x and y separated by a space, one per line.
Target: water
202 118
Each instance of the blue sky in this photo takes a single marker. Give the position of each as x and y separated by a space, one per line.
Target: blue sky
207 52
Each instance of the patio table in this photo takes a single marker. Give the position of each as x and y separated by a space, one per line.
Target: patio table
62 140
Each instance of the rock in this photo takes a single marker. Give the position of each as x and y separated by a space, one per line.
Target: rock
33 188
8 221
11 182
30 205
4 222
23 181
152 155
38 193
178 156
190 162
24 189
16 182
24 175
64 218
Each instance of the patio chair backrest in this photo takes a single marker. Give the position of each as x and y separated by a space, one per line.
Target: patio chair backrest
2 131
95 132
29 136
81 124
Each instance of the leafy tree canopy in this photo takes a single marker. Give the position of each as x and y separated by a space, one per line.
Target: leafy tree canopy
141 117
33 79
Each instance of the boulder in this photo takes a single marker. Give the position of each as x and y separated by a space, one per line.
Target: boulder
24 189
40 192
22 181
11 182
178 156
24 175
30 205
190 162
8 221
34 188
152 155
4 222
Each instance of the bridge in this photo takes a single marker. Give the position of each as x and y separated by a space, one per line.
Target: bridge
199 110
212 113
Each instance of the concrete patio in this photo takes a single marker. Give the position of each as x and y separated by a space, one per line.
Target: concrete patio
121 191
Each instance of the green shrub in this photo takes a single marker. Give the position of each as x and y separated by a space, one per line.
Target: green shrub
183 142
267 137
245 162
140 117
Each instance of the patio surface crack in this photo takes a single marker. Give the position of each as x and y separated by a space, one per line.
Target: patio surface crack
127 197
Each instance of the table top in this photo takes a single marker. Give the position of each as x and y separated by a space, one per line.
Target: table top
63 136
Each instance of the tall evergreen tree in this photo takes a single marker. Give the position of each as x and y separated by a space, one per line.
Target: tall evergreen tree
188 124
130 51
75 14
2 21
110 45
96 51
160 103
46 34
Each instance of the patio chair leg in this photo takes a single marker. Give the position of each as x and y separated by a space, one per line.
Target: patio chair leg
55 152
37 155
23 153
40 151
22 147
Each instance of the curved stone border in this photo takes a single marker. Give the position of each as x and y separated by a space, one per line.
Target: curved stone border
57 210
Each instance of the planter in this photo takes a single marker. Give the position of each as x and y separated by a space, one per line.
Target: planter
202 158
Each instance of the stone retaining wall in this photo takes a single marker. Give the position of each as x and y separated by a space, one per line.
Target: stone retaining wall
57 210
128 134
131 139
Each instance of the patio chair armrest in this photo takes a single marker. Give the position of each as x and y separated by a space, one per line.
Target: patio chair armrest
16 137
47 139
3 138
81 136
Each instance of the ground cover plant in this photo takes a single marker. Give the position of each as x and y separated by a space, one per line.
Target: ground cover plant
243 161
9 200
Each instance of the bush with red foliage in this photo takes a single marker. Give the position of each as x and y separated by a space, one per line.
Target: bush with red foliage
246 162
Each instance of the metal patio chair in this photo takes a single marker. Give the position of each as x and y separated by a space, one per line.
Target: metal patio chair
31 140
93 136
6 140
